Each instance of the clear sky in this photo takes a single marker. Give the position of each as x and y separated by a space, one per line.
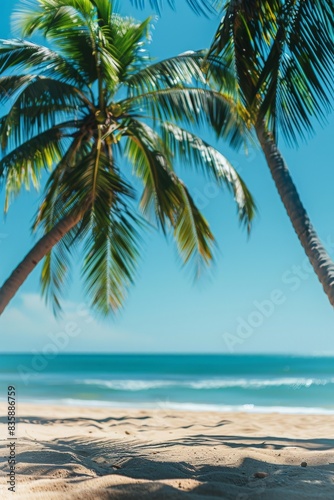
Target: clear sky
259 296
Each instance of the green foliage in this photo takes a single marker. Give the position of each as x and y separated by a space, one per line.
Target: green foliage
282 55
86 107
204 7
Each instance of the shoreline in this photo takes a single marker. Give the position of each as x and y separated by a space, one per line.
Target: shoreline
177 407
71 452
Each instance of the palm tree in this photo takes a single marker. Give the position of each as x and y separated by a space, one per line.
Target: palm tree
91 109
282 56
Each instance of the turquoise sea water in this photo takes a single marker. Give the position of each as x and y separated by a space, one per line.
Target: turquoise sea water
195 382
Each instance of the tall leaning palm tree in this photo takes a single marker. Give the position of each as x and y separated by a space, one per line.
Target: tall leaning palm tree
282 56
91 109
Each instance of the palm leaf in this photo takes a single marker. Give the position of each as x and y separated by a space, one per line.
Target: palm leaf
110 262
127 37
38 103
180 70
191 149
21 54
70 188
201 7
305 87
192 233
56 272
25 164
76 28
149 158
282 53
194 106
168 194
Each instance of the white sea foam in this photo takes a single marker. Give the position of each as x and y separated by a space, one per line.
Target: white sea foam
206 384
129 385
173 405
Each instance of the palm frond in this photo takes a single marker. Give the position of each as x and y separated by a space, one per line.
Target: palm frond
234 43
70 188
104 11
57 191
73 186
111 254
37 104
180 70
200 7
128 37
282 54
149 158
56 272
305 82
25 164
45 90
192 150
75 29
167 194
24 55
194 106
192 233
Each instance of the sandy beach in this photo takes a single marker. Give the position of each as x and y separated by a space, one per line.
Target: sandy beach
103 453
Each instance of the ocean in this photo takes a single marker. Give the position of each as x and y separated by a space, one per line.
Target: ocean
261 383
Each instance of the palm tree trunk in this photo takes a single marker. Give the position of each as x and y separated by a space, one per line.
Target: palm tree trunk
315 251
36 254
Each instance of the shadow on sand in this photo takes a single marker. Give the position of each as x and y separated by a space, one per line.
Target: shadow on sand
131 469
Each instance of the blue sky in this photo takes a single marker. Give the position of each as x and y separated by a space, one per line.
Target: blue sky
259 296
